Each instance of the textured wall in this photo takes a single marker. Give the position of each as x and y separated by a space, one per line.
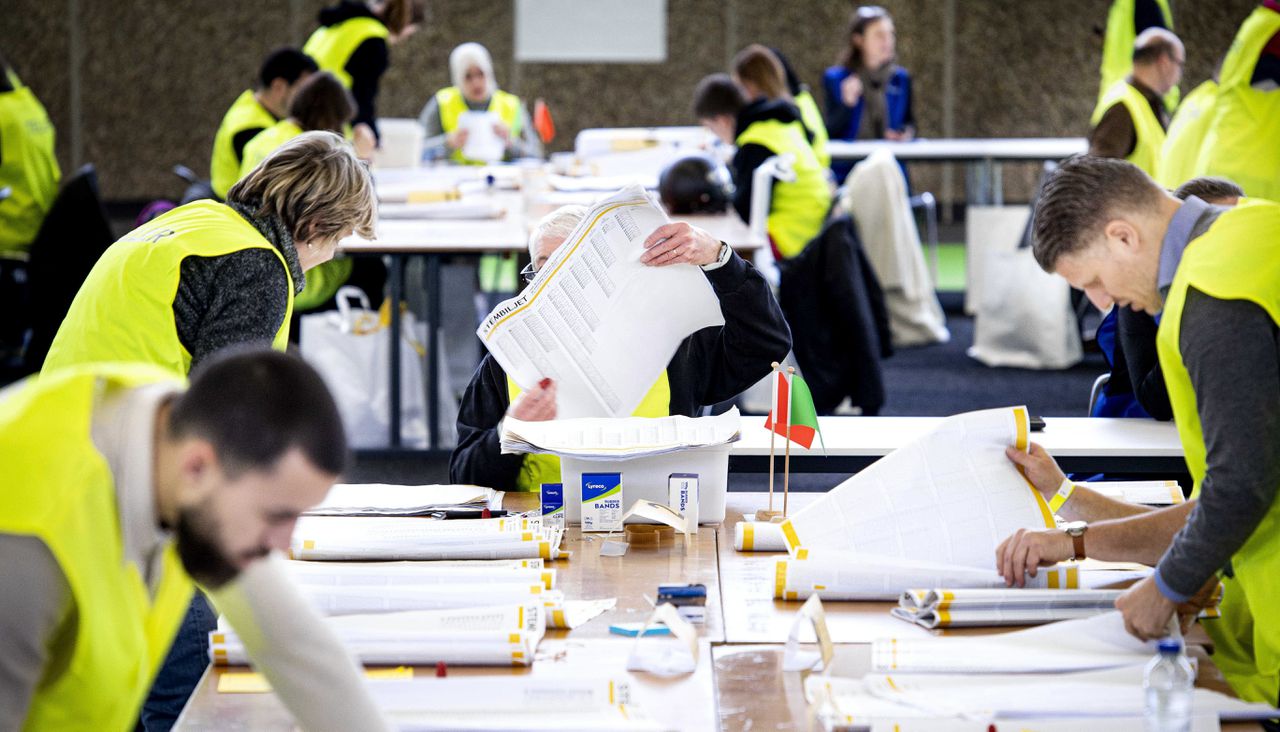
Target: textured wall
151 80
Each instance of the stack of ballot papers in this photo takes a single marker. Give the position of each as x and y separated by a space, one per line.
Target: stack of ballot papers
378 538
615 438
1147 492
380 499
1110 699
592 303
962 608
519 703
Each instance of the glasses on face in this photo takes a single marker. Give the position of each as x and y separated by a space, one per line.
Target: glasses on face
529 272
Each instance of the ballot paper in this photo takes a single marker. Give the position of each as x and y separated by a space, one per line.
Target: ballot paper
380 499
332 538
1086 695
949 497
595 319
405 574
482 208
960 608
1147 492
758 536
482 142
361 600
519 703
482 636
1095 642
623 437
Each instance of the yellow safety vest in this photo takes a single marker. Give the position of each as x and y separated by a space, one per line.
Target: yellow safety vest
1234 260
246 113
264 143
798 208
504 106
812 118
1117 46
1241 141
1146 126
124 309
1186 132
56 486
539 469
27 166
332 45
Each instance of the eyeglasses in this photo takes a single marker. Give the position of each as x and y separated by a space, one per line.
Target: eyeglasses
529 272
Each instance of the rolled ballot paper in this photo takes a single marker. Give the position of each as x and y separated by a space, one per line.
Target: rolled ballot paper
365 599
960 608
388 538
401 574
758 536
480 636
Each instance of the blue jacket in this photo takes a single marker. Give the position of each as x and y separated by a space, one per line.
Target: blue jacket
843 121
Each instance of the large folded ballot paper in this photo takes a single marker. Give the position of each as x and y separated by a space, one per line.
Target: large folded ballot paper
376 538
599 323
643 451
941 608
380 499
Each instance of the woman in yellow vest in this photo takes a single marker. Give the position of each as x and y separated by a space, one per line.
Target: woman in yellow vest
322 103
762 129
28 168
353 43
475 89
762 75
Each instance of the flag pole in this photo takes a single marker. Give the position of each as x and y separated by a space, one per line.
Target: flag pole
773 406
786 463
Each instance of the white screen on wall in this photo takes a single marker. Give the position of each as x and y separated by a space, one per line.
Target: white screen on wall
599 31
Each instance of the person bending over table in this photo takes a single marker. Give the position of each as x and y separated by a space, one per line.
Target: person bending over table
1213 275
713 365
121 490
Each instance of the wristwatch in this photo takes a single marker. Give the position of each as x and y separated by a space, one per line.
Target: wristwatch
1076 529
725 252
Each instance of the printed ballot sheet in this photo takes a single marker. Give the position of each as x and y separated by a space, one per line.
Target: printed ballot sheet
595 319
949 497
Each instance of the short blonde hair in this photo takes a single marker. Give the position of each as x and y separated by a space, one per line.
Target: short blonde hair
559 224
315 184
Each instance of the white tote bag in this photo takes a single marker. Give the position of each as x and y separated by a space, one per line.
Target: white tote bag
350 348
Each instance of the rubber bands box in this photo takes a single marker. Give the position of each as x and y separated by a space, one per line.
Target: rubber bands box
644 451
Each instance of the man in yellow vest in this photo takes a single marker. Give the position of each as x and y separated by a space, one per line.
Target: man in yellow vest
253 111
29 171
1130 119
1185 135
120 490
711 366
1213 274
762 129
1126 19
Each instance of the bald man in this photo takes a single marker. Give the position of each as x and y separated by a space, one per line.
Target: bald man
1130 120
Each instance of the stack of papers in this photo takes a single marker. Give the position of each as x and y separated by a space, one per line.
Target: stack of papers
380 499
465 209
966 608
615 438
332 538
1147 492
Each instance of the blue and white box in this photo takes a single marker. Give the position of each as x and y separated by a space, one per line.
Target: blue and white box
682 495
553 504
602 505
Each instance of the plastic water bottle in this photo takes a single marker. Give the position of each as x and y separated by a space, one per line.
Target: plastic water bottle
1168 684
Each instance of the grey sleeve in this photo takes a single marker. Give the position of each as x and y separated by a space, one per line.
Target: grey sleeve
1232 351
526 144
35 602
237 298
433 146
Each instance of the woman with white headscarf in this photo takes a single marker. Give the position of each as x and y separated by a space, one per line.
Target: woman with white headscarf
475 89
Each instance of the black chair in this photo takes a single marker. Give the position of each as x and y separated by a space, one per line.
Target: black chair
74 235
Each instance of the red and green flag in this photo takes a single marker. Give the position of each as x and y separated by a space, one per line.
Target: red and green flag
793 409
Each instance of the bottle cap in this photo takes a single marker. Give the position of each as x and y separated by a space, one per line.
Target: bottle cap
1170 645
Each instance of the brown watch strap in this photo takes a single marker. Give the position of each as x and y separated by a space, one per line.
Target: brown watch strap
1077 541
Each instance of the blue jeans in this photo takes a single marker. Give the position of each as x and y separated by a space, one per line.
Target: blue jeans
182 668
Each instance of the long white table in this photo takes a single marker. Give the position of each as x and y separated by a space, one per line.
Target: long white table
1080 444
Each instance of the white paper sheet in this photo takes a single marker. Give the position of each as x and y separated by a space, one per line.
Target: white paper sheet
758 536
467 209
367 600
960 608
482 142
1147 492
326 538
620 437
581 319
949 497
381 499
407 574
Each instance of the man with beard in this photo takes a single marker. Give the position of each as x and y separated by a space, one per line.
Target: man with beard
119 492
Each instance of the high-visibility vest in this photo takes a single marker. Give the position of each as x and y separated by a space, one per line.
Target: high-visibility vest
1240 143
57 487
812 118
1234 260
264 143
452 104
124 309
1182 142
799 207
332 45
539 469
1117 46
246 113
1146 126
28 167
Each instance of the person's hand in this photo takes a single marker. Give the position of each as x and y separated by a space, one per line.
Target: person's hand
1039 467
904 135
1146 612
502 131
537 404
851 90
680 243
1209 595
364 141
456 139
1023 553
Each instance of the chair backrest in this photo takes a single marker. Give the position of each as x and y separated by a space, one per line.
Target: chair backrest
74 235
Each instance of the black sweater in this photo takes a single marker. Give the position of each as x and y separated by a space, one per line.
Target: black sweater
711 366
367 63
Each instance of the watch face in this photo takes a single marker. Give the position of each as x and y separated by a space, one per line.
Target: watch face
1075 528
